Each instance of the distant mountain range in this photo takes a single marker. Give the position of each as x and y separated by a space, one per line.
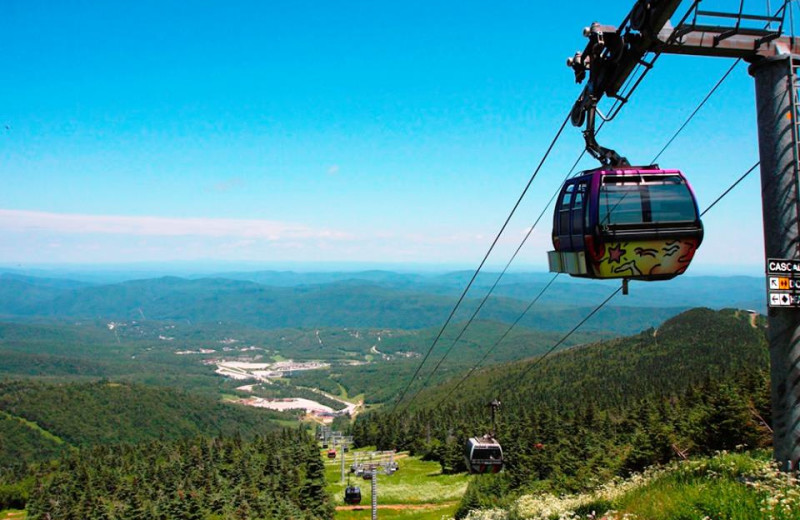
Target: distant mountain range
271 299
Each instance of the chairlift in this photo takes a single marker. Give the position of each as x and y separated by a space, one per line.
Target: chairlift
634 223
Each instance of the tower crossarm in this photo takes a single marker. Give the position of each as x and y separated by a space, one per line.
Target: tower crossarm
611 58
748 44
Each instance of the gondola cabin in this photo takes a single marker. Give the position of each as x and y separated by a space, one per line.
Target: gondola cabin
483 455
639 223
331 453
352 495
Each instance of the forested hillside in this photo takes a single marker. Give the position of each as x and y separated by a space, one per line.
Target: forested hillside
696 384
577 418
38 420
691 348
23 441
276 475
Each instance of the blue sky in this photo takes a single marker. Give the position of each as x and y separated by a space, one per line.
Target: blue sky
283 132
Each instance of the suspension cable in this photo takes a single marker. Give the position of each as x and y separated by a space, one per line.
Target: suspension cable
564 338
740 179
486 297
486 256
528 234
494 286
667 145
697 109
617 105
500 340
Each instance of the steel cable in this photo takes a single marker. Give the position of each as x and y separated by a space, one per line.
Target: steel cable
486 256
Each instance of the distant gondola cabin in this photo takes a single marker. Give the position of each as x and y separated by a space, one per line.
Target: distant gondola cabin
483 455
352 495
640 223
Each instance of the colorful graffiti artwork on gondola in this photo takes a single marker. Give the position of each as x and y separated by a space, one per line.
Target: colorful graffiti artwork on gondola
645 258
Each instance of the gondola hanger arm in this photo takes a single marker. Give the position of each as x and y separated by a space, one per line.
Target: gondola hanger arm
606 156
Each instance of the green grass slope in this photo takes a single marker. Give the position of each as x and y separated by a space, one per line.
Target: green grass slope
417 490
741 486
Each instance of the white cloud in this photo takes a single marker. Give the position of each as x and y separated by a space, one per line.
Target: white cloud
35 236
36 221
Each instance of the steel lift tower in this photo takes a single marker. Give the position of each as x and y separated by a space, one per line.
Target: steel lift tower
614 62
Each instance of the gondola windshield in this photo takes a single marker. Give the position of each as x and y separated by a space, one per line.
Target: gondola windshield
491 453
665 199
483 455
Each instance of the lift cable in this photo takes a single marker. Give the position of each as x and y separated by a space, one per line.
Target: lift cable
601 305
524 312
496 343
541 293
530 231
486 256
494 286
527 309
616 106
491 290
564 338
740 179
697 109
617 101
538 296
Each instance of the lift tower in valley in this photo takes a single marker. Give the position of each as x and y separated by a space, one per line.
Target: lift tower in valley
614 62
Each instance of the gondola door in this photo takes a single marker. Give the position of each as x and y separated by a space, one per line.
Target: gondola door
569 227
